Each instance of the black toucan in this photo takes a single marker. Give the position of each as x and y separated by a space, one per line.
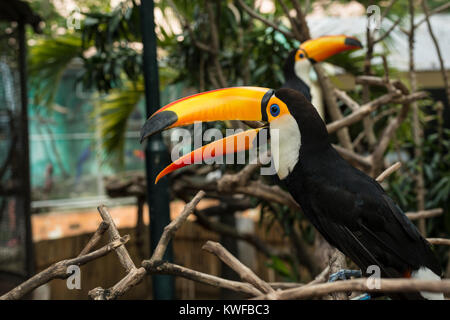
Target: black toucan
299 63
349 208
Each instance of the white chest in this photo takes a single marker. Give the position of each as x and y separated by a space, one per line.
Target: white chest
285 141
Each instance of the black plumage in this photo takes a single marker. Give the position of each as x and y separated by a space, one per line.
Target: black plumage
350 209
292 81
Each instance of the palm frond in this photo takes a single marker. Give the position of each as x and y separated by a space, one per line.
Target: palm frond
48 60
113 113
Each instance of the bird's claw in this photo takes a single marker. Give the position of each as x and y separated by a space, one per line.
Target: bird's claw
344 274
364 296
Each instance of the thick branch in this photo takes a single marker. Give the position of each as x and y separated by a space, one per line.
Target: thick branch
122 253
386 285
59 270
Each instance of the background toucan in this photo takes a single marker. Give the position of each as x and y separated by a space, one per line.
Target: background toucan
299 63
349 208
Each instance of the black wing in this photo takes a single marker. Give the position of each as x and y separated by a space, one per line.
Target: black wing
354 214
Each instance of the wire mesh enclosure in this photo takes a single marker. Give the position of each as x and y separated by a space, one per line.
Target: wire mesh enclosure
15 228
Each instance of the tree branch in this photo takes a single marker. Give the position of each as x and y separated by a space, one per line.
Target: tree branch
386 285
244 272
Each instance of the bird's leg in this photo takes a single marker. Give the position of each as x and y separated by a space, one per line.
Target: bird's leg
344 274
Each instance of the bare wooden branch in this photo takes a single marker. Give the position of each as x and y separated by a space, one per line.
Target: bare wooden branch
386 285
244 272
438 50
58 270
386 173
353 157
122 253
267 22
388 32
337 263
342 133
439 241
386 136
135 275
344 97
133 278
215 44
228 181
425 214
187 26
160 267
248 237
417 131
321 277
172 227
361 112
441 8
95 238
294 26
388 8
302 19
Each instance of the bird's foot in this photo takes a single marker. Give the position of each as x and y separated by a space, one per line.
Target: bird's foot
364 296
347 274
344 274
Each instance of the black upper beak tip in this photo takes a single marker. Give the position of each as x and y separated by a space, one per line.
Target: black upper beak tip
353 42
157 123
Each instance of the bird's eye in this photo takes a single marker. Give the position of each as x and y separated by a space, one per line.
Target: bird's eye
274 110
301 55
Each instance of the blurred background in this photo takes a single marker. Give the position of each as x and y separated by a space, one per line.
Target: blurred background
72 102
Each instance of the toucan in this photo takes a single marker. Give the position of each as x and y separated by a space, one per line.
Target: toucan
350 209
296 68
299 63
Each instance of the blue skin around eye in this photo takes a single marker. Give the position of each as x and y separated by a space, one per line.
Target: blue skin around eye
274 110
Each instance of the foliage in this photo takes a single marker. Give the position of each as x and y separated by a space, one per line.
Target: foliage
48 60
112 35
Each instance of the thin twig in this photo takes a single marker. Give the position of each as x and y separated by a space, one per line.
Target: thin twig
441 8
95 238
438 50
244 272
267 22
386 173
424 214
172 227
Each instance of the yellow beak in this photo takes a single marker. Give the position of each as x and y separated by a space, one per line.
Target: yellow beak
324 47
239 103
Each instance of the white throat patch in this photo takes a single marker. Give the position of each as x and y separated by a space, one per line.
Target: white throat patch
302 69
285 144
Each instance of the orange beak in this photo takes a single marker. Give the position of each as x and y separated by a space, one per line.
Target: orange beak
324 47
235 143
